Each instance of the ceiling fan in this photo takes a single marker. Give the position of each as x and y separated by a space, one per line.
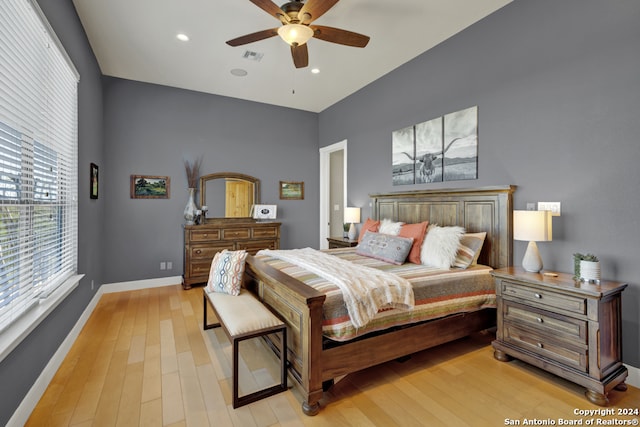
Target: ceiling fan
296 30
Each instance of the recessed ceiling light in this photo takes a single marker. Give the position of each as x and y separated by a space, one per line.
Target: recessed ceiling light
239 72
315 70
182 37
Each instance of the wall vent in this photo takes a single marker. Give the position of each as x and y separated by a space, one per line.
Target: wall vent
252 56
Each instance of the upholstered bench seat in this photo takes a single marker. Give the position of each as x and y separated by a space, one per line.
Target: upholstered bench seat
243 317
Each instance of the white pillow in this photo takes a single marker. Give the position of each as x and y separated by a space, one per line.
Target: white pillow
389 227
440 246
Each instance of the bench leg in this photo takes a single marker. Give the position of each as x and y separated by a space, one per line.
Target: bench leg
269 391
205 326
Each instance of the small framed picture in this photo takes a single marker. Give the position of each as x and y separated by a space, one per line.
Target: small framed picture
291 190
93 181
264 211
150 187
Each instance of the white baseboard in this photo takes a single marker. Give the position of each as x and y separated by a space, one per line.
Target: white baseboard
22 413
634 376
108 288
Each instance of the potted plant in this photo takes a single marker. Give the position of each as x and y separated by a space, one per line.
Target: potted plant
345 229
586 267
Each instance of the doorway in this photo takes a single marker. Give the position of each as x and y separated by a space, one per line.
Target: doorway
333 190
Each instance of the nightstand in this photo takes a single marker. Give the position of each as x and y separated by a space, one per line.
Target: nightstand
569 328
341 242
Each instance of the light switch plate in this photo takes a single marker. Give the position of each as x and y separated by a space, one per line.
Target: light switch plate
554 207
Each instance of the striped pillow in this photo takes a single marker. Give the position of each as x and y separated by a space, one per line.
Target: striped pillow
226 272
469 249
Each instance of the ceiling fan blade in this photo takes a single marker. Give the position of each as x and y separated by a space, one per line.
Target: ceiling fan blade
253 37
272 9
300 55
314 9
336 35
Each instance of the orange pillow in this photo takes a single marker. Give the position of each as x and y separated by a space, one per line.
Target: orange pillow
369 225
417 232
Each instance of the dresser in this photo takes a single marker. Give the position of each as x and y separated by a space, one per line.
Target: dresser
202 242
569 328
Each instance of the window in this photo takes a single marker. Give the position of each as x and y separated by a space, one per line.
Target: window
38 160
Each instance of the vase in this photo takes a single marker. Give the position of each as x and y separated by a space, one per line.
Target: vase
590 271
191 208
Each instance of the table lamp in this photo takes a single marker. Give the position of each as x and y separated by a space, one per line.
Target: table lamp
352 215
532 226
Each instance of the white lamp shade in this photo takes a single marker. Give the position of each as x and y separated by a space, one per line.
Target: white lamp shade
532 226
295 34
351 215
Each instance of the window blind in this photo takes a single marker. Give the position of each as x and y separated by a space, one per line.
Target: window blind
38 160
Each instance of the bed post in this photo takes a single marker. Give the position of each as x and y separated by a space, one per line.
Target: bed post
313 362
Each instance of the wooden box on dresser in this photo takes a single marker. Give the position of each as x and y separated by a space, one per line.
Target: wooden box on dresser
202 242
567 327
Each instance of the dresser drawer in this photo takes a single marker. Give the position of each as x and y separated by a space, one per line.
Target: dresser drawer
204 235
200 269
262 232
207 252
236 233
565 352
254 246
541 297
547 322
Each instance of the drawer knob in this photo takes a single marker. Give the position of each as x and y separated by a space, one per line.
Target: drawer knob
539 319
540 345
205 235
537 296
198 251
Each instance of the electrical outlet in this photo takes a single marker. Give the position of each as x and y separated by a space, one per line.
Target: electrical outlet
169 265
163 265
554 207
531 206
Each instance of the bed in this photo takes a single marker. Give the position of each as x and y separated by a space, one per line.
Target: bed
315 360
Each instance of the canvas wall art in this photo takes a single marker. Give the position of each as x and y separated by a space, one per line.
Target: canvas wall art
441 149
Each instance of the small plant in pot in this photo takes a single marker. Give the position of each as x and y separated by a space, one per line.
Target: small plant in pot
345 228
586 267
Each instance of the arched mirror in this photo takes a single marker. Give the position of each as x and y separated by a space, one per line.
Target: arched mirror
229 194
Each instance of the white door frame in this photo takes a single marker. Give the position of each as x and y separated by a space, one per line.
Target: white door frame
325 188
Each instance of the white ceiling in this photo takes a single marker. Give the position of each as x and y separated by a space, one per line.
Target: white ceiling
136 40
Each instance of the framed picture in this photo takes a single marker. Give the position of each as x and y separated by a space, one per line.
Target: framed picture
441 149
264 211
150 187
93 181
291 190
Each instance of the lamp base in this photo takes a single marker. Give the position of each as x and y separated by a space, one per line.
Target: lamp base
352 232
532 261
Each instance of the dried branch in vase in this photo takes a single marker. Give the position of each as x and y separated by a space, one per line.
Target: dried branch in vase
193 171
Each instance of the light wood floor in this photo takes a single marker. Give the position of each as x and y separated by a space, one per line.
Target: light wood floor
143 359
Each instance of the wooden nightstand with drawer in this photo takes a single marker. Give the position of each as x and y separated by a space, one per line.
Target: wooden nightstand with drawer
341 242
569 328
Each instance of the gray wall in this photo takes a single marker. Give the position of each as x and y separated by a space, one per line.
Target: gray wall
557 85
151 129
22 367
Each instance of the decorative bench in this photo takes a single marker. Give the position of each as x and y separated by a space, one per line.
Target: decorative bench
243 317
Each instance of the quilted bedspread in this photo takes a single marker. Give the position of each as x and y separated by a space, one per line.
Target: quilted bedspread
437 293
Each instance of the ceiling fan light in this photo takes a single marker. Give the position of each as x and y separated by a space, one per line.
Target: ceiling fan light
295 34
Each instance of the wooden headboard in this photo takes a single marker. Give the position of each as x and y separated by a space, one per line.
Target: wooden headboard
487 209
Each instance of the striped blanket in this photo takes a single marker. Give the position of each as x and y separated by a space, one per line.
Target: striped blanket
437 293
365 290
